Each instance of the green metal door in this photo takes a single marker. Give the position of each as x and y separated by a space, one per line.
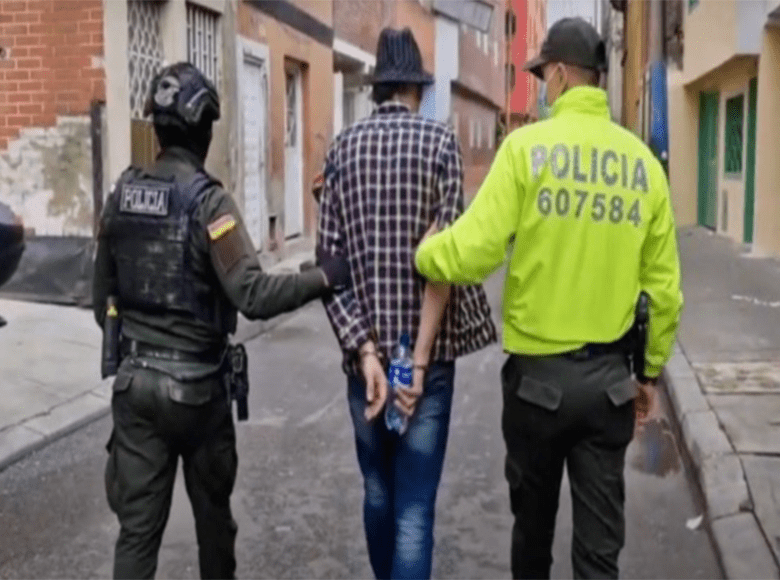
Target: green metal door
708 159
750 162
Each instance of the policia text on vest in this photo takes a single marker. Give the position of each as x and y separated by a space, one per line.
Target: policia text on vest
591 168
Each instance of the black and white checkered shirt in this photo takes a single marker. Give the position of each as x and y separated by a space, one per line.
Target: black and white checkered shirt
387 179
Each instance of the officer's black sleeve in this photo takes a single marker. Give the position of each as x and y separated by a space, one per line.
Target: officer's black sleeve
104 279
253 292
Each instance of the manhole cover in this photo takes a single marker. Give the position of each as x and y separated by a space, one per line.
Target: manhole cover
739 377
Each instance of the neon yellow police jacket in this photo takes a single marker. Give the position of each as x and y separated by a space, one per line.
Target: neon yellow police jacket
588 206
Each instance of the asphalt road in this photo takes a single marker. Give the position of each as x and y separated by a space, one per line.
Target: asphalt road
299 493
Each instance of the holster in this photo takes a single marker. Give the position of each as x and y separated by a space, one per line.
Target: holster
111 357
237 379
639 333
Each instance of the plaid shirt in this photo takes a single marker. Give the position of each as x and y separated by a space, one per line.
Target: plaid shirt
387 178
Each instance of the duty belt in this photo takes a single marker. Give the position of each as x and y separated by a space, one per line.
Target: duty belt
589 351
212 355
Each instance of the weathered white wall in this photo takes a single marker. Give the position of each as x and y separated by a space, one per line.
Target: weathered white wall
46 177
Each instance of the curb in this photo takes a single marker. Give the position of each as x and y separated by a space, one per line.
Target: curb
19 440
32 434
739 541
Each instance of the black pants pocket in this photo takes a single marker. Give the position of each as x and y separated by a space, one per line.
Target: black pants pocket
110 475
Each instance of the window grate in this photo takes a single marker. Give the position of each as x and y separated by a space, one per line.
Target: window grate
145 50
735 112
291 124
203 41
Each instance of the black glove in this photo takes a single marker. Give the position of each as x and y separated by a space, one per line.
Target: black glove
335 268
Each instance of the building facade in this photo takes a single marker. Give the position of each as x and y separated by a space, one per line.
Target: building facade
286 108
526 25
72 109
469 91
52 78
71 104
536 31
477 95
724 121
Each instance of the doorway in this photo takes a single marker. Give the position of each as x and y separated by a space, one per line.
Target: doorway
708 159
254 80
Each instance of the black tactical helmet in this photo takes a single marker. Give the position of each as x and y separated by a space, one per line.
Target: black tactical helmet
181 95
11 242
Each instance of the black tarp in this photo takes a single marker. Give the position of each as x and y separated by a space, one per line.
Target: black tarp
55 270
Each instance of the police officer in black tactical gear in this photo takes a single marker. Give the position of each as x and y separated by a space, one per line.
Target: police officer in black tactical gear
11 245
175 263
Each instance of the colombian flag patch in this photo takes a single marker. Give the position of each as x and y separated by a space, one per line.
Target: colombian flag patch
221 226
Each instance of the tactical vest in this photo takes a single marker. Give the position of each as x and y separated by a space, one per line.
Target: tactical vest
151 233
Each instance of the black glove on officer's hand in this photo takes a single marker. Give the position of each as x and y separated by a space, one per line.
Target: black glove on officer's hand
335 268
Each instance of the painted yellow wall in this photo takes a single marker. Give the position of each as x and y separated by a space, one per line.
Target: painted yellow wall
710 36
683 149
731 188
767 224
728 80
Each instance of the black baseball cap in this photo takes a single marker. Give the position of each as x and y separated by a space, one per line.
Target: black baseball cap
570 41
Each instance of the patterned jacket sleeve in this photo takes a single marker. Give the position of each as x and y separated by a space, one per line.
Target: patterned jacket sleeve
450 181
350 324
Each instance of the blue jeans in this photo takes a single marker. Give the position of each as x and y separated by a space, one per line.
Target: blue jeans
401 476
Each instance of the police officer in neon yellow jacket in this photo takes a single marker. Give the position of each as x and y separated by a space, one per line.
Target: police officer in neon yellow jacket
588 207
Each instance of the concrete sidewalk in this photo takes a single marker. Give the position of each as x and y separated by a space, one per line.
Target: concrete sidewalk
724 383
50 369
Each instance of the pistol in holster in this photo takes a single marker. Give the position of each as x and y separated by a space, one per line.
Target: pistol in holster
110 355
237 379
642 316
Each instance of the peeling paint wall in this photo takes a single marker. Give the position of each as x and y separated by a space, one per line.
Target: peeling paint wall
46 177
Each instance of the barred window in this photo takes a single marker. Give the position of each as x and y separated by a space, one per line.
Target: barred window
735 109
145 50
291 123
203 41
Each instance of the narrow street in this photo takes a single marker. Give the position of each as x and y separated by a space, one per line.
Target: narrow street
298 496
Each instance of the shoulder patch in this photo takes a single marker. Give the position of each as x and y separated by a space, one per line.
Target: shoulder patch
221 226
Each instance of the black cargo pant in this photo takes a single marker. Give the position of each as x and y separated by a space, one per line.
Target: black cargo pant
156 420
579 412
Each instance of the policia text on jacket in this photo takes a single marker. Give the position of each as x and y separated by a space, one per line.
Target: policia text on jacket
589 167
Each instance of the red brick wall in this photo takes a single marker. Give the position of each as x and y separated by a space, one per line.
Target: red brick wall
480 71
50 70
